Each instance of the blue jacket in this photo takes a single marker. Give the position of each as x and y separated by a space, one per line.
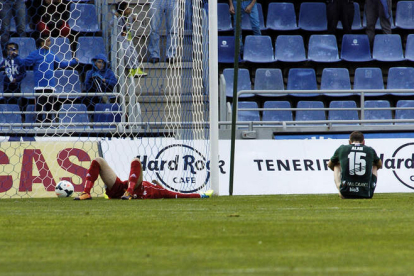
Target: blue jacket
95 76
44 63
14 65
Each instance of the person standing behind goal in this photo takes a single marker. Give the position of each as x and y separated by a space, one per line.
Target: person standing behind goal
355 168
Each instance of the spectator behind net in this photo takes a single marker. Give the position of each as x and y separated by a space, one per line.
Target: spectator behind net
14 71
100 79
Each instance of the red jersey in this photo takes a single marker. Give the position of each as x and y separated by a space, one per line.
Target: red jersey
146 191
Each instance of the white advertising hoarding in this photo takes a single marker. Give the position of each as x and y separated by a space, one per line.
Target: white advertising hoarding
262 166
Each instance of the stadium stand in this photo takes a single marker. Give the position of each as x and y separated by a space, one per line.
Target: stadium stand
27 87
67 82
226 49
223 18
335 115
401 114
404 15
400 78
377 114
302 79
248 115
88 47
310 115
388 47
336 79
107 113
61 47
70 120
323 48
243 83
83 18
356 23
355 48
30 116
409 48
277 115
378 24
290 48
369 78
269 79
258 49
246 25
281 17
312 16
26 45
10 118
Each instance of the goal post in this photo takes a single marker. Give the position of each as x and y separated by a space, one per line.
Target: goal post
165 112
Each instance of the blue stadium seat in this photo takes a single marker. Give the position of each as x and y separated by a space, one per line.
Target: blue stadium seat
310 115
404 114
377 114
290 48
388 47
401 78
404 18
223 17
26 45
28 85
335 115
323 48
409 48
302 79
247 26
336 79
69 120
83 18
112 114
356 23
248 115
277 115
14 118
226 49
30 117
269 79
258 49
355 48
312 16
281 17
67 82
88 47
243 82
1 84
61 47
369 78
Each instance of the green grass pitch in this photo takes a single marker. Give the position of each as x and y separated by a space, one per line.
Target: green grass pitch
239 235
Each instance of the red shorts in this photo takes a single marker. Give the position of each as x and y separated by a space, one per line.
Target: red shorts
146 191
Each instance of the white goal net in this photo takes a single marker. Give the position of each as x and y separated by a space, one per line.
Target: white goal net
130 79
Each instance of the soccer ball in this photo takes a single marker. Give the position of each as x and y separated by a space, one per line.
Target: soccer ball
64 189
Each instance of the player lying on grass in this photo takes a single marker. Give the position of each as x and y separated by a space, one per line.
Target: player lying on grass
133 188
355 168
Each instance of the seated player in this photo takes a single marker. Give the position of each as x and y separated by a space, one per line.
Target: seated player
355 168
133 188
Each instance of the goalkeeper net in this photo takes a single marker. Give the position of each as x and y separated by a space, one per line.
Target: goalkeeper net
115 80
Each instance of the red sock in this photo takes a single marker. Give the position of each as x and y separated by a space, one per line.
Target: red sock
134 175
91 176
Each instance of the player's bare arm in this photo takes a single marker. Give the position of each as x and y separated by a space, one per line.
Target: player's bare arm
331 165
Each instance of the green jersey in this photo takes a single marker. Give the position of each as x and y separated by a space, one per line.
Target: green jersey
356 162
